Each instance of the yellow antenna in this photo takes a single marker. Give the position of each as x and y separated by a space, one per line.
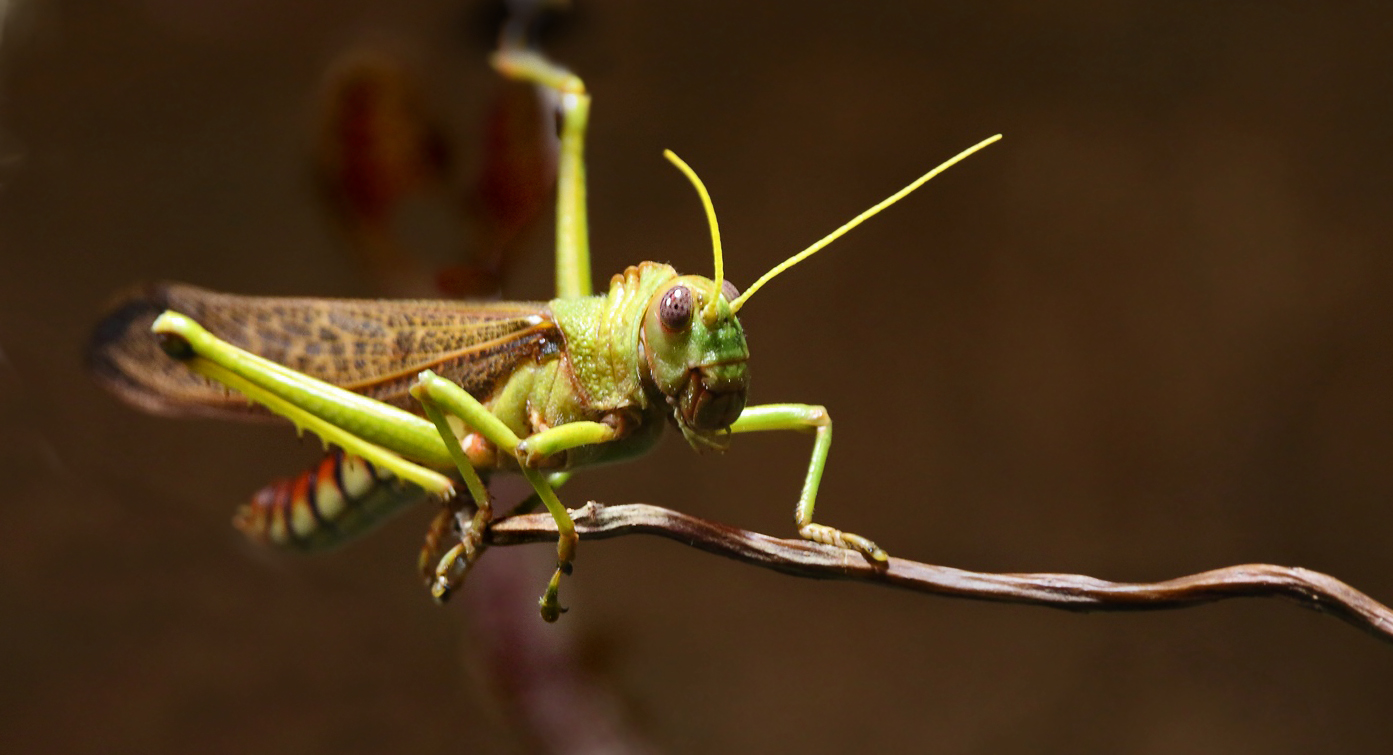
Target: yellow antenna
858 220
710 312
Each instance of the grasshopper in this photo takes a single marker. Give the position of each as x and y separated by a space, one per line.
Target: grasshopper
421 395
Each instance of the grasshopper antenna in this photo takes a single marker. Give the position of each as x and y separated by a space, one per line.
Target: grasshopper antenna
712 310
858 220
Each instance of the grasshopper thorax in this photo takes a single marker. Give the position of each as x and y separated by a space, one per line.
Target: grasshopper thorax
698 363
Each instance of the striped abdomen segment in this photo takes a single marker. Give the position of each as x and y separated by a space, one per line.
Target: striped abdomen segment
334 501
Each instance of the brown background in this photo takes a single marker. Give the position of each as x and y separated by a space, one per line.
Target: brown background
1147 334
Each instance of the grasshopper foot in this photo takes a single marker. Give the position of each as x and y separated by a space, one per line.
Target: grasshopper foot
450 570
821 533
441 591
449 573
549 604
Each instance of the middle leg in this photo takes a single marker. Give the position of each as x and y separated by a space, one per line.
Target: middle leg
439 396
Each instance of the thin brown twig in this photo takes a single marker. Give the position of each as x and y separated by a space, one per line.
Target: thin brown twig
1071 592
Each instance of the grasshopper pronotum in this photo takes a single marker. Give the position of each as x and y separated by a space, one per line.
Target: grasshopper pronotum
538 388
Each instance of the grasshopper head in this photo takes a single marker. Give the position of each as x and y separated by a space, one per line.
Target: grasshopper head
696 354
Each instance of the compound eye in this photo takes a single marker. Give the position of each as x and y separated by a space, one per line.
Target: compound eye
729 291
675 310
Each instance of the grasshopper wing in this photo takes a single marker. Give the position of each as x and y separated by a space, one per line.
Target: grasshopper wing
373 347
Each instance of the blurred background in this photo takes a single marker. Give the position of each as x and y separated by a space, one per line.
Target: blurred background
1146 335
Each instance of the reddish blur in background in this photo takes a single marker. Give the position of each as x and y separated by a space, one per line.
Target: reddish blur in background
1147 334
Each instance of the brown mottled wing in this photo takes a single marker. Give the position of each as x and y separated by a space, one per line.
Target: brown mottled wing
373 347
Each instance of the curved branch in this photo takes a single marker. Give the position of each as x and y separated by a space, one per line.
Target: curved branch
1071 592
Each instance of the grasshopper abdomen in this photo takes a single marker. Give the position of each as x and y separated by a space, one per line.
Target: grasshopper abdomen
326 505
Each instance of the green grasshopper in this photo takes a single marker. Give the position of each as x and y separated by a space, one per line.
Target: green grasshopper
536 388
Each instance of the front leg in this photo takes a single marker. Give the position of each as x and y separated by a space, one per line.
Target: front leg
806 417
438 396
